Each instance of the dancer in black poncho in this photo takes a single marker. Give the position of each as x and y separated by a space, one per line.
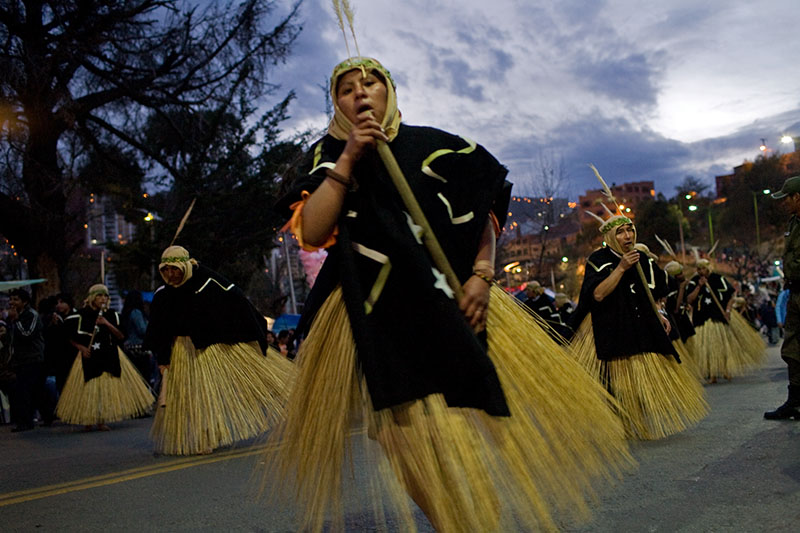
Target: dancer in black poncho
103 385
219 387
624 342
726 344
469 422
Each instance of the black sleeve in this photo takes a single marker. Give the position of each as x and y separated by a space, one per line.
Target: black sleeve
159 337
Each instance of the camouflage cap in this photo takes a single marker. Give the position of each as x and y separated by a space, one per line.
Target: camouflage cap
790 186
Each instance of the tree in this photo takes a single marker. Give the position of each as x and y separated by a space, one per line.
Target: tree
548 181
745 197
658 217
692 186
79 77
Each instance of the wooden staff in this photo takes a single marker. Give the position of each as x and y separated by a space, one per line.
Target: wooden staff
162 393
95 330
653 303
419 218
716 301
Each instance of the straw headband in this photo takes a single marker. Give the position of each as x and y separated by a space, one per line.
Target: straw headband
366 64
614 222
175 259
98 291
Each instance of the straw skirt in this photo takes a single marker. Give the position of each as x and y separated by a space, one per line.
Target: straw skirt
217 396
467 470
728 350
657 396
105 398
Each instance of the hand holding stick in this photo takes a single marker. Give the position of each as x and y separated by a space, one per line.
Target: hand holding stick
95 330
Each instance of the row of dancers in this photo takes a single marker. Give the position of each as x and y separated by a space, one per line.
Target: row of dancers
463 400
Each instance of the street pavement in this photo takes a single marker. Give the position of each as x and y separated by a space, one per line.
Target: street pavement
733 472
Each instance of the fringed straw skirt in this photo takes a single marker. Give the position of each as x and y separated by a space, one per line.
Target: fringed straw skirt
728 350
657 395
688 358
222 394
467 470
105 398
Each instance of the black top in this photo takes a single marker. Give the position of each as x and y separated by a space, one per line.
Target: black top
412 339
543 307
704 308
26 336
209 309
58 352
565 314
624 323
104 355
681 318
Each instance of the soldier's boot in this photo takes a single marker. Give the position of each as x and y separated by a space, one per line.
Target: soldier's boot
790 408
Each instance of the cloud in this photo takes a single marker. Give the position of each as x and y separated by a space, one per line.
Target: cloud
676 89
630 79
621 152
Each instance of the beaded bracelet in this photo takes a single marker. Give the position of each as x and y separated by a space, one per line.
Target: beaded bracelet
488 279
349 183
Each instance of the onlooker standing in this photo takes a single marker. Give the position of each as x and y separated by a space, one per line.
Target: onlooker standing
272 340
6 374
780 307
134 326
26 340
285 344
57 347
48 396
769 320
790 350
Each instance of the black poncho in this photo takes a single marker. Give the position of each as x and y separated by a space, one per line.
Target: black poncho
104 346
704 308
624 323
209 309
680 317
411 337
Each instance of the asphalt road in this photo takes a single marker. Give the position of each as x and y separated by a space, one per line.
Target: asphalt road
734 471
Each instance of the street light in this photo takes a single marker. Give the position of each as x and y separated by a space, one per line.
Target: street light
755 211
150 218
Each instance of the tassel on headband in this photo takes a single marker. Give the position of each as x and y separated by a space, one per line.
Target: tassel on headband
606 189
183 222
674 267
614 219
343 10
667 247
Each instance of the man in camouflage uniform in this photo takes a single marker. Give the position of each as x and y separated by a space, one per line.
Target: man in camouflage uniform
790 350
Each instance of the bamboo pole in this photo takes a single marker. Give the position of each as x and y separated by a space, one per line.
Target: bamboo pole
647 287
716 301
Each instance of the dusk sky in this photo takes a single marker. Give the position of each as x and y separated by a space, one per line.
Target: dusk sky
644 90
